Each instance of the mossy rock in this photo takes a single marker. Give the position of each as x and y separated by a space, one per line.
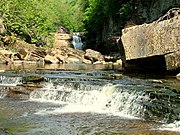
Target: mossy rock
33 79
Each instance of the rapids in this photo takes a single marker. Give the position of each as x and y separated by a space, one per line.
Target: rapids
89 101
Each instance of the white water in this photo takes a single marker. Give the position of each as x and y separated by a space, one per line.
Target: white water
6 82
77 43
109 100
175 126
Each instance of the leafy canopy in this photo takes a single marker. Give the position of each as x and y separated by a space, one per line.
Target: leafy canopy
34 20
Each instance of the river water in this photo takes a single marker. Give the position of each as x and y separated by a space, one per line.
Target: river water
88 100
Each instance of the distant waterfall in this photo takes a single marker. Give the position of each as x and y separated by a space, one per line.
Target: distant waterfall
77 43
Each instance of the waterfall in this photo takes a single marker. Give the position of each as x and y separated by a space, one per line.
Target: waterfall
77 43
6 82
109 99
10 80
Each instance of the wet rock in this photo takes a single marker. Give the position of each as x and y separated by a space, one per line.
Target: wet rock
34 79
15 92
31 86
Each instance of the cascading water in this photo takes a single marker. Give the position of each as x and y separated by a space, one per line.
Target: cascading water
6 82
10 80
108 98
91 102
77 43
125 97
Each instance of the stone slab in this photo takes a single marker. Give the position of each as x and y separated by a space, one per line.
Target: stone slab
173 60
157 38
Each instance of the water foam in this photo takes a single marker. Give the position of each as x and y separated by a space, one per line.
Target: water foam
110 99
10 81
6 82
175 126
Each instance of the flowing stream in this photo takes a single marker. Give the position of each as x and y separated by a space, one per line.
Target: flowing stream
89 101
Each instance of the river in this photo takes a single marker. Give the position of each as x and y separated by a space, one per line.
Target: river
88 100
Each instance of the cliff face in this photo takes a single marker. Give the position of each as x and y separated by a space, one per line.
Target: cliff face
147 11
144 11
147 33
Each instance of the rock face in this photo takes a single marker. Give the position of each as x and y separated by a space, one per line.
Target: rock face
62 39
160 38
144 11
149 10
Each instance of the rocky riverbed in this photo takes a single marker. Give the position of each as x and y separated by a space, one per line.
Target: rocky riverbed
28 54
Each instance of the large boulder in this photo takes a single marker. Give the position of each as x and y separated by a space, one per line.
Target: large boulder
93 55
51 59
160 38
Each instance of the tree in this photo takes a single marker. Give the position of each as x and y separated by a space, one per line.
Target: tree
34 20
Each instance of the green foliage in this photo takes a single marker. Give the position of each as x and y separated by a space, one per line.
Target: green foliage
94 15
34 20
125 10
98 12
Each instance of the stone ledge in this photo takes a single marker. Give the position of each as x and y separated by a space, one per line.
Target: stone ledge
160 38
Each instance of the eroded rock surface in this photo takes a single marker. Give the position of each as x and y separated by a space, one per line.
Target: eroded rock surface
161 37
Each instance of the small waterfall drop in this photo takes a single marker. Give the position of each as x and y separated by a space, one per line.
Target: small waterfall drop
10 80
77 43
109 99
6 82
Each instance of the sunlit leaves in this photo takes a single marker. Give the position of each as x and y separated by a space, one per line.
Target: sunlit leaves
34 20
